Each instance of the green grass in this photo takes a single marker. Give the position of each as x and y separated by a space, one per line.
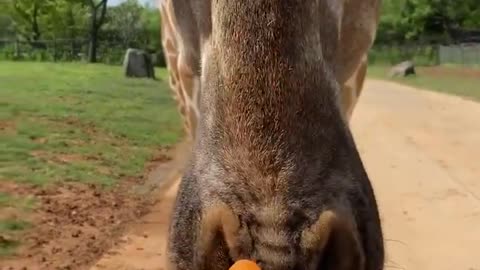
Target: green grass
8 200
9 227
7 246
78 122
65 121
448 81
13 225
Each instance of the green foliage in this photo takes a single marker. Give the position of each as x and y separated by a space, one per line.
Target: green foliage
133 25
37 23
124 20
67 20
426 20
7 27
151 24
43 19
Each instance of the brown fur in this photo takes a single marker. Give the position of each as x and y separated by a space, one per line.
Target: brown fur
183 39
352 89
275 174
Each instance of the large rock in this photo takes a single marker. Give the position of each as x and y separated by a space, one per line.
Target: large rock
403 69
139 64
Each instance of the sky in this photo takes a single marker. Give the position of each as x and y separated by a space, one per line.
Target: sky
116 2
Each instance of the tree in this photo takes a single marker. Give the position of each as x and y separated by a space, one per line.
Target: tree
7 27
152 24
67 20
34 20
27 16
125 21
98 10
427 19
390 27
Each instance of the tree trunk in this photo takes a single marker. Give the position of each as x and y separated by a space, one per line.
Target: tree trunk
92 49
36 33
35 26
95 25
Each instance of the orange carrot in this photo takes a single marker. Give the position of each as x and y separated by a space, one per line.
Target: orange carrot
245 265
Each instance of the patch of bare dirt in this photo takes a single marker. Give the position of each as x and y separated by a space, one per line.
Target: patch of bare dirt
75 223
61 158
161 156
8 126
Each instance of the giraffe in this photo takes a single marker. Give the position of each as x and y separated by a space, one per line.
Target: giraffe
267 88
182 58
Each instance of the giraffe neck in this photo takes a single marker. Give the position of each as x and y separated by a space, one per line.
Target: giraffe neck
184 83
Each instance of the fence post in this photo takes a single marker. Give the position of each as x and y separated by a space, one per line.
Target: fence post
17 48
72 50
54 49
477 60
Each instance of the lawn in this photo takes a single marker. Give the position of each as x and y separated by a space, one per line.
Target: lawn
454 80
78 123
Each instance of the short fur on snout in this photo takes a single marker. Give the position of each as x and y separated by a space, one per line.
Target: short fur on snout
275 175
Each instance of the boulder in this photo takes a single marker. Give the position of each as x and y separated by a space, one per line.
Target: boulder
403 69
138 64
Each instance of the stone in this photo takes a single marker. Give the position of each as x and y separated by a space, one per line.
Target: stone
403 69
138 64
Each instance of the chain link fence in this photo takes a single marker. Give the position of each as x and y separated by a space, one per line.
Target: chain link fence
464 54
66 50
61 50
427 55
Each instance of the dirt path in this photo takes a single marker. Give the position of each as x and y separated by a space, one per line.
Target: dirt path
421 150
